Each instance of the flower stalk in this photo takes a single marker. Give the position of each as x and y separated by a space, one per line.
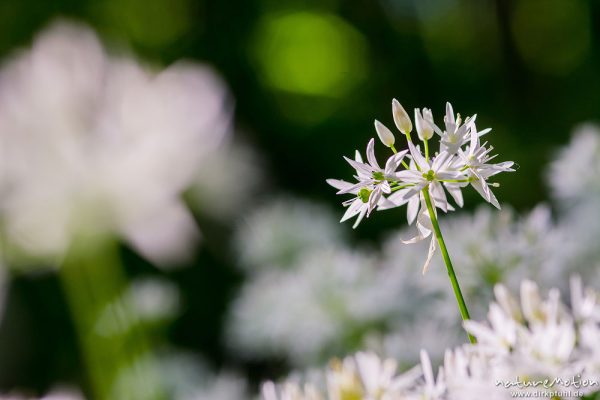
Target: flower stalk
92 279
462 306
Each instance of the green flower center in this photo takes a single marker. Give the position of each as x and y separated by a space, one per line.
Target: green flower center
430 175
378 175
364 195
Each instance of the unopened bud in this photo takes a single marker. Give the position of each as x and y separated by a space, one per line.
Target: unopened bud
423 125
401 118
385 135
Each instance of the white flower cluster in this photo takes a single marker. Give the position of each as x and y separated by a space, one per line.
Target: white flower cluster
573 174
423 181
493 247
573 177
325 299
184 376
321 306
537 346
276 234
95 144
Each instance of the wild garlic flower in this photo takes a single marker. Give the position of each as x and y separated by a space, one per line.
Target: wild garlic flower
456 133
373 181
439 172
185 376
460 161
532 348
573 177
95 144
540 338
334 296
362 376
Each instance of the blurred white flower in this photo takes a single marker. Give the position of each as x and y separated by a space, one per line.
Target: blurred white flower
298 305
573 179
186 377
280 231
290 391
318 307
425 330
56 394
153 298
468 375
96 144
362 376
573 174
227 178
490 247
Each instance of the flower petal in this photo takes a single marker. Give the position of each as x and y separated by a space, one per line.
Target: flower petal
338 184
371 154
417 156
354 209
430 253
360 167
412 210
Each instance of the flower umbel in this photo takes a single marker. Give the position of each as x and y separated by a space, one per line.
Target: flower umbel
462 160
422 183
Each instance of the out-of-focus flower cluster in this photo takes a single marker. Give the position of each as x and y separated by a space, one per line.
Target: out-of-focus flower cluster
329 298
573 178
312 295
95 144
533 347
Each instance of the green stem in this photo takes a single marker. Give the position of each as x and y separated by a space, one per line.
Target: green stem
94 283
464 312
426 144
455 180
396 152
402 187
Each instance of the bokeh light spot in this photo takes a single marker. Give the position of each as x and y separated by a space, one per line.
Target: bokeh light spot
309 53
552 36
152 24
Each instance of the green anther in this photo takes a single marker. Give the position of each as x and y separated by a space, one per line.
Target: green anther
430 175
364 195
378 175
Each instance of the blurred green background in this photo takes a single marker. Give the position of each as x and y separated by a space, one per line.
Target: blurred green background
308 79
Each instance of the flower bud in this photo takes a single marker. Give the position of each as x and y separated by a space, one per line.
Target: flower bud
385 135
423 125
401 118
